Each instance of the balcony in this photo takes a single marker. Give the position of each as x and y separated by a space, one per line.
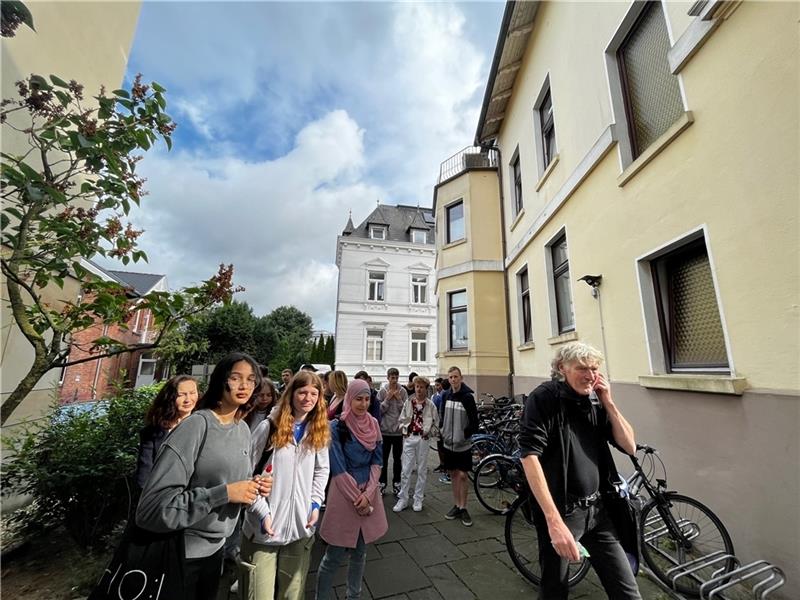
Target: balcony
472 157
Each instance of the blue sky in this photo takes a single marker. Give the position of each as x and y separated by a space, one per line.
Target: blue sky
291 115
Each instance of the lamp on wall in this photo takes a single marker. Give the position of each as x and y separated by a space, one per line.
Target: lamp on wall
594 281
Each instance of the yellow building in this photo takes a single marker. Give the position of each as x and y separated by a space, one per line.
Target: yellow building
88 42
654 145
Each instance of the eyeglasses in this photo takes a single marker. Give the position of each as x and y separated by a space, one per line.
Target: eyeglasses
236 381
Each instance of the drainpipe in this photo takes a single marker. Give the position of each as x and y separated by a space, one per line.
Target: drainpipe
505 273
97 370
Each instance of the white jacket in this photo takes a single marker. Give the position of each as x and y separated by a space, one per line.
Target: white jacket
299 479
430 418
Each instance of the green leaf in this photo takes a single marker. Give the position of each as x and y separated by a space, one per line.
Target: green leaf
168 141
126 103
121 93
39 83
30 172
84 143
58 81
157 87
63 97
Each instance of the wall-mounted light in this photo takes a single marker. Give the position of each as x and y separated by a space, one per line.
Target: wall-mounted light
593 281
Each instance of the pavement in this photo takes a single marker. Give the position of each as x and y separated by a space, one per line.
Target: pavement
423 556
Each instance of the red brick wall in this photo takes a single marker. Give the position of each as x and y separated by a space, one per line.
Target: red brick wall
79 380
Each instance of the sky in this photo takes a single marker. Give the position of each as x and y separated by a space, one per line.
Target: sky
291 115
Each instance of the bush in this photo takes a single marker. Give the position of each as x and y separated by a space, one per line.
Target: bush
78 466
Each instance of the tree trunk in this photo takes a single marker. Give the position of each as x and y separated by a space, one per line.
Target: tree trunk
39 367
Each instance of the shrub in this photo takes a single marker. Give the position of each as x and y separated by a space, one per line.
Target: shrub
78 466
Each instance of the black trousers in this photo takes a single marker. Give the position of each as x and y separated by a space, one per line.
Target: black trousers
203 575
393 443
592 528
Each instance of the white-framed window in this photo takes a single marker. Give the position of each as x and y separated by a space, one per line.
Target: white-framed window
376 286
419 236
525 320
419 289
377 232
455 222
516 181
374 349
544 127
682 313
646 96
457 319
419 346
560 286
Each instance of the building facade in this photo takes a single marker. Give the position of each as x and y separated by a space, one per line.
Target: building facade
385 304
639 161
88 42
96 378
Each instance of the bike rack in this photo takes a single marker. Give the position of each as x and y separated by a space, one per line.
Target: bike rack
764 577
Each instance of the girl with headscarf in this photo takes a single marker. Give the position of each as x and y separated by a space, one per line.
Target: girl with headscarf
355 515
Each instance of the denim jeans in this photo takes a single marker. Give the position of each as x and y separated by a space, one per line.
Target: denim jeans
333 558
592 528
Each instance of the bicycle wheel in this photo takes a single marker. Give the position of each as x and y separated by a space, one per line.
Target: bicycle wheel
481 449
522 544
497 482
694 532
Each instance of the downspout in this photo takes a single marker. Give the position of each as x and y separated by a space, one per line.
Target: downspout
97 369
509 345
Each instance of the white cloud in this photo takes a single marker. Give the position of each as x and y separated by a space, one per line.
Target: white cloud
351 101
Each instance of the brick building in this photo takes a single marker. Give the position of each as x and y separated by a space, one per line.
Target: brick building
94 379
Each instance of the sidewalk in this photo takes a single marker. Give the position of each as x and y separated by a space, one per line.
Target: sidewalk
425 557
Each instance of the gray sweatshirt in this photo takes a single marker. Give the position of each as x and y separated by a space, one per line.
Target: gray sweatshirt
390 410
187 491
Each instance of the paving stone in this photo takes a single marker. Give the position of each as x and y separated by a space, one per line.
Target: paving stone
486 577
390 549
457 533
395 575
490 546
449 586
429 593
431 550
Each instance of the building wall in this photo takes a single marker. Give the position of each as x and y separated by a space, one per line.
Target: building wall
88 42
731 173
397 316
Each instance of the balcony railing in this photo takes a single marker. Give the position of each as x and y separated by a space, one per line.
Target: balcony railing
469 158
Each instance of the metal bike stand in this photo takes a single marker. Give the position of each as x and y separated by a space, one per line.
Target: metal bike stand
760 573
689 569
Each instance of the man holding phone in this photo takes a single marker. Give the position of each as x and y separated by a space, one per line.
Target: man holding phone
566 429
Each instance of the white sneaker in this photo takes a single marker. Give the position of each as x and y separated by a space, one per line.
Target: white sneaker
417 506
401 505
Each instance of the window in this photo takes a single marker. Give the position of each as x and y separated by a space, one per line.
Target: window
516 177
457 316
544 128
377 232
689 319
548 129
376 286
642 81
419 289
374 345
526 333
419 236
455 222
419 346
562 290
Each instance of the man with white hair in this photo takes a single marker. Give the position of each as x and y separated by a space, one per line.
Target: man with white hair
567 426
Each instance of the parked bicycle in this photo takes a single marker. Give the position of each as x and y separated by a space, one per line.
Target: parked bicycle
675 529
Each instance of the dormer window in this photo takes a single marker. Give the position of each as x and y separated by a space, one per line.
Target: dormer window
377 232
419 236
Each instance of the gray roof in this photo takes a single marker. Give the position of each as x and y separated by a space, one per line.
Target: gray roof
400 220
141 283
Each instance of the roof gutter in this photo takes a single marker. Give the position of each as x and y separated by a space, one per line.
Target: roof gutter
498 53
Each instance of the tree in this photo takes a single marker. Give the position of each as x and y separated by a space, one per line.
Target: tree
265 341
330 351
229 329
292 329
65 198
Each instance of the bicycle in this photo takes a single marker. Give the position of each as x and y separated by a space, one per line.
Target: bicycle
498 481
675 529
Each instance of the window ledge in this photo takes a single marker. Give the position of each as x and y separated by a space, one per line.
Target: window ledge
453 244
716 384
547 172
455 353
570 336
517 219
526 346
683 122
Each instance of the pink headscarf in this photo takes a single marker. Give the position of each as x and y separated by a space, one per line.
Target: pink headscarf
364 428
